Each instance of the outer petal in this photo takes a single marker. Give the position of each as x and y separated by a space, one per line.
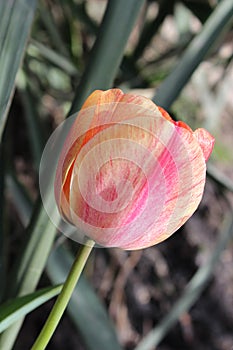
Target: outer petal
206 142
99 110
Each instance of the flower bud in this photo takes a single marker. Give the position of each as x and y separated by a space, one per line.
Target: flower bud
128 175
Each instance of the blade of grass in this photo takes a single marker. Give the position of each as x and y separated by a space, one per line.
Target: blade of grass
41 231
104 62
219 20
41 234
32 119
16 19
150 29
20 198
52 29
72 13
84 307
37 49
82 15
2 236
192 293
13 310
220 178
30 265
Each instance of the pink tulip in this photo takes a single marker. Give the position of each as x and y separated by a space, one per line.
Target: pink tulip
128 175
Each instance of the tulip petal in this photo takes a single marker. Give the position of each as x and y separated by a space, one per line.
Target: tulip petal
206 142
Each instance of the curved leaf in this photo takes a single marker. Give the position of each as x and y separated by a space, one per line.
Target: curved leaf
169 90
193 290
15 309
16 19
105 57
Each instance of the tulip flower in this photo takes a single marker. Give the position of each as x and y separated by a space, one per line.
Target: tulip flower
128 175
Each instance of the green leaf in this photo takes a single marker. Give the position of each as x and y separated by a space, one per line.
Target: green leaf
15 309
32 118
2 234
16 19
108 49
193 290
85 308
151 28
223 181
36 49
52 29
21 199
30 264
219 20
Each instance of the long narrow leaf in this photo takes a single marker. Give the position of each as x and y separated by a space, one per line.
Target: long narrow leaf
37 49
16 19
190 296
14 310
2 235
21 199
52 30
108 49
33 122
41 233
30 267
151 28
220 178
199 47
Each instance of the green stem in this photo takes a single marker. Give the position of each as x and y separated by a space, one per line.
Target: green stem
63 298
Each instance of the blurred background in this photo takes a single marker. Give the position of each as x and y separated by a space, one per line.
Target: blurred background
138 290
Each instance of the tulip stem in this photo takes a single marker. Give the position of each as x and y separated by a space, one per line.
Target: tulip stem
64 297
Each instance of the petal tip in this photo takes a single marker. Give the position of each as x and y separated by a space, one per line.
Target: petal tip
206 142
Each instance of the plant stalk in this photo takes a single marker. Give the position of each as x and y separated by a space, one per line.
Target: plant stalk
63 298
